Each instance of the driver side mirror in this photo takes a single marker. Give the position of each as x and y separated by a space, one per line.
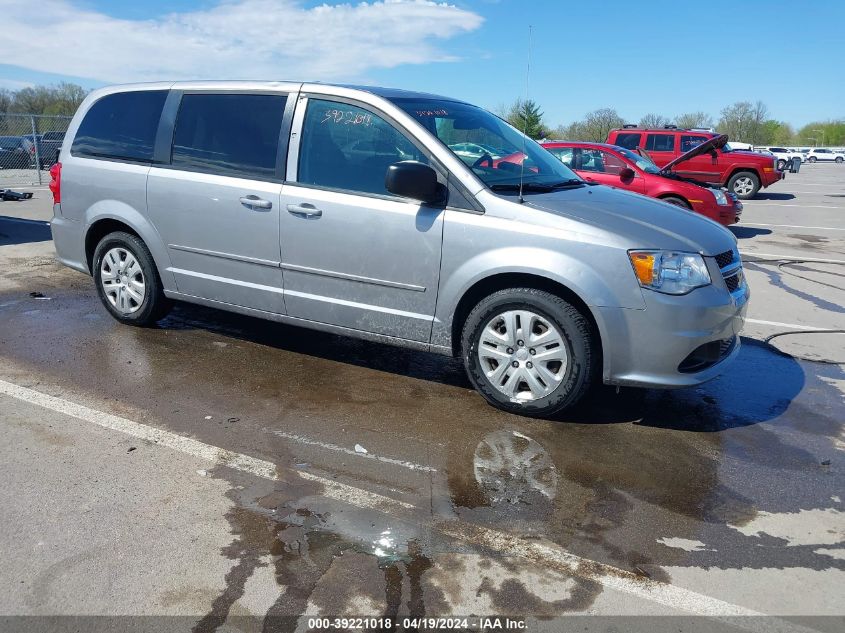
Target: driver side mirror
411 179
626 174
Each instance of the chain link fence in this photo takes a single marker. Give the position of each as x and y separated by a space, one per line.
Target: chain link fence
29 145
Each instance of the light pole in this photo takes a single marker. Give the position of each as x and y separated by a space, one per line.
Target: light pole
822 131
810 138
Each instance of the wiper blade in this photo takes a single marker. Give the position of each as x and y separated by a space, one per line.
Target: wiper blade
538 187
572 182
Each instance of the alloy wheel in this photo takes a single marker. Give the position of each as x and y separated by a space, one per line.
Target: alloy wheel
743 186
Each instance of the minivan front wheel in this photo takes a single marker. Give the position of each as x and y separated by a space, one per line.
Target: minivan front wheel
744 184
127 281
529 352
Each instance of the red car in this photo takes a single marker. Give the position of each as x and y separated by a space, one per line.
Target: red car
619 167
743 173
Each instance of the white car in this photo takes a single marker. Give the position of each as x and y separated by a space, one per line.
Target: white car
783 155
822 153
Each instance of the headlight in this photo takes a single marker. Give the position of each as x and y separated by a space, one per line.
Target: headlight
721 198
669 272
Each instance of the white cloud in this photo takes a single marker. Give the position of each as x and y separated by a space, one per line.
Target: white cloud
247 39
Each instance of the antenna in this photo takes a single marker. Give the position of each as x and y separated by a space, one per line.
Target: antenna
524 117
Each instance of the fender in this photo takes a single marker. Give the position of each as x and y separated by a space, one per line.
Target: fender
131 217
555 266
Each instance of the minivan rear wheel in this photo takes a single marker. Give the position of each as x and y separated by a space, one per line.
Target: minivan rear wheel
529 352
744 184
127 280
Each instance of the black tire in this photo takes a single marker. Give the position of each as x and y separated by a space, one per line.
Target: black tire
154 305
742 179
678 202
781 164
812 159
838 159
578 336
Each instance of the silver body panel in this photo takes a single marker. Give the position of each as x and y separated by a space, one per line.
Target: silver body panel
394 270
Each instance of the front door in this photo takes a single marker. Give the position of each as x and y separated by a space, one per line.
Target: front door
217 205
354 255
704 167
606 168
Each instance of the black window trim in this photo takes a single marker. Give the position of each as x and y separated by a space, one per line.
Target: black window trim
452 183
111 157
167 129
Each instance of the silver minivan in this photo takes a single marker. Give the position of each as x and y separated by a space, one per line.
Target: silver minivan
360 211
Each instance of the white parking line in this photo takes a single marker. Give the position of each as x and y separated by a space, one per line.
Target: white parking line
803 206
791 326
793 226
791 258
299 439
541 552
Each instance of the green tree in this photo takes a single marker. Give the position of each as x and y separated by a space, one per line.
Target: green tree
527 117
823 133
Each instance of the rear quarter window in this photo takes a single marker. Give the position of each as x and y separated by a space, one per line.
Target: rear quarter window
628 140
122 126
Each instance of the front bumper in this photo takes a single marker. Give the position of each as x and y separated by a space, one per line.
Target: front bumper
772 176
666 345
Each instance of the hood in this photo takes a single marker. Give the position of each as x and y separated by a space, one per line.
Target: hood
717 142
636 221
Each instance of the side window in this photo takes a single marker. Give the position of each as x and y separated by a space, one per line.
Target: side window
690 142
230 134
563 154
347 147
591 160
121 125
612 163
628 140
660 143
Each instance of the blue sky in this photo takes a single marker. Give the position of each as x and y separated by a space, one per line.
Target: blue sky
662 56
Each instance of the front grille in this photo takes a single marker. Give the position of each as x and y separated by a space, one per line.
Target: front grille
723 259
733 281
707 355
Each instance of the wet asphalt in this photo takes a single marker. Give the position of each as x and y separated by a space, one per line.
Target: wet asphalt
732 489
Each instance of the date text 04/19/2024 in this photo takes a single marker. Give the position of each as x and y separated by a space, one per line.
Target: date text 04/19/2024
460 624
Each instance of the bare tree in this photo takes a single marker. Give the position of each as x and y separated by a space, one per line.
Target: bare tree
652 121
6 98
737 121
597 124
694 119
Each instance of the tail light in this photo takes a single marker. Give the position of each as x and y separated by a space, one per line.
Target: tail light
56 182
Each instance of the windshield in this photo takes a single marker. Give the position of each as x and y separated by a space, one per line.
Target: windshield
488 145
640 161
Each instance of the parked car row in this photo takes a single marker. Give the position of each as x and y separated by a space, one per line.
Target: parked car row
810 155
742 172
19 152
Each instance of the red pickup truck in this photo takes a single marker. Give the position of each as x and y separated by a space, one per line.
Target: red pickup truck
743 173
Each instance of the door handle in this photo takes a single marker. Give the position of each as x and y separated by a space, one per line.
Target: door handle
305 210
255 202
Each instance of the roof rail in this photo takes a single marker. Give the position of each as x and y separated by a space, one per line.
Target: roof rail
630 126
671 126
